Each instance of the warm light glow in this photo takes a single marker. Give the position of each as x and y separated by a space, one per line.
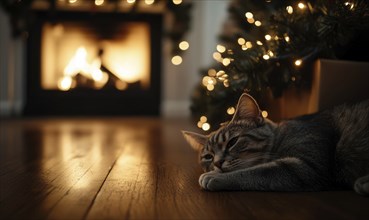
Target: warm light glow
226 61
251 20
176 60
78 63
208 80
203 119
231 110
212 72
289 9
244 47
349 4
241 41
210 87
270 53
220 73
257 23
65 83
249 15
99 2
268 37
217 56
248 44
226 83
120 85
298 62
177 2
75 54
259 43
205 126
264 114
221 48
301 5
276 38
131 1
72 1
184 45
287 38
266 57
149 2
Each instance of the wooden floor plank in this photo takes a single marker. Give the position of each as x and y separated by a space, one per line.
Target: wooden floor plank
132 168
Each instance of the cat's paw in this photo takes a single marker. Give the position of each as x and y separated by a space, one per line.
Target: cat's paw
361 185
213 181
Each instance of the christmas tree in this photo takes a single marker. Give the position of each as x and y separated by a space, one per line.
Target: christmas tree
268 46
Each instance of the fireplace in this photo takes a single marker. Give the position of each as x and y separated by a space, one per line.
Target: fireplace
82 63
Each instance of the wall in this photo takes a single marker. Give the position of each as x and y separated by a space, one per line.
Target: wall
178 82
11 70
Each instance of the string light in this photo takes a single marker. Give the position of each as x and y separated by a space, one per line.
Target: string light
203 123
226 83
221 48
203 119
209 82
99 2
231 110
286 38
259 43
349 4
301 5
266 57
184 45
212 72
257 23
220 73
149 2
264 114
249 15
251 20
268 37
244 47
226 61
176 60
289 9
241 41
177 2
217 56
248 44
298 62
205 126
72 1
131 1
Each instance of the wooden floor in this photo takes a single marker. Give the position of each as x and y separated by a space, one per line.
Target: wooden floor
132 168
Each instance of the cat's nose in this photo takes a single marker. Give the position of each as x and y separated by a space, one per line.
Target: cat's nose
219 163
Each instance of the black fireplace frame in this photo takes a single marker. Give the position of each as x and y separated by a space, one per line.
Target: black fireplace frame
133 101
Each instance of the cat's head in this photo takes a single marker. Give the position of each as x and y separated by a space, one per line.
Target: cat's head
243 142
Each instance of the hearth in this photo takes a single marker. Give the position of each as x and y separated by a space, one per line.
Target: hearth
82 63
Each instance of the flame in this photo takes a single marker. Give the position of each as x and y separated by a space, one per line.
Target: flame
79 64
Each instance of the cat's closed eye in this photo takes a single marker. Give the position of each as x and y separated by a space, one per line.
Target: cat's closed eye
207 157
232 142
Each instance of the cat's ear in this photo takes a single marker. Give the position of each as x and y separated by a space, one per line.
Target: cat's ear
247 108
197 141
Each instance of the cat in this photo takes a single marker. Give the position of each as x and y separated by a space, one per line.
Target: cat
323 151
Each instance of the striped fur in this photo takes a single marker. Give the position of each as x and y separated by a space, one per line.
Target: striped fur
323 151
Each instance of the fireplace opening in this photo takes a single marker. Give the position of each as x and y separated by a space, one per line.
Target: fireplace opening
94 64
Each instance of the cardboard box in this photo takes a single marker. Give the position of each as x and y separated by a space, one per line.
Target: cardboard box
334 82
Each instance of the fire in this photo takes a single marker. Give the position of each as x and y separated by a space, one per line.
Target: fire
92 72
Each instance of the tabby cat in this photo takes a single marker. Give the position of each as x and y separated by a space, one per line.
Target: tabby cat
323 151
